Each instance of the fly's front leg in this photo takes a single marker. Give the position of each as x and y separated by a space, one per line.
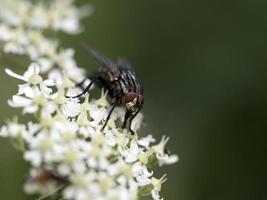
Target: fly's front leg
131 120
126 117
85 90
129 117
80 84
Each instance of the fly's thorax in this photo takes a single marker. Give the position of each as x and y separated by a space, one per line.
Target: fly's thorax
106 74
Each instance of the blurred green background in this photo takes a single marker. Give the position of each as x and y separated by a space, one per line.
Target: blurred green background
203 66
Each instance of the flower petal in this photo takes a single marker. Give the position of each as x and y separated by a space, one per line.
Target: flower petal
15 75
19 101
33 68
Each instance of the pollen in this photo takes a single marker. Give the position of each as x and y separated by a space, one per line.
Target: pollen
47 121
35 79
67 83
46 144
71 157
40 100
127 170
157 183
95 152
99 139
36 37
105 184
122 140
69 136
85 105
159 148
60 100
82 120
79 181
143 157
102 102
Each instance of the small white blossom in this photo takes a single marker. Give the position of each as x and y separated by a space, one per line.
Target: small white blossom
12 129
32 77
157 184
163 157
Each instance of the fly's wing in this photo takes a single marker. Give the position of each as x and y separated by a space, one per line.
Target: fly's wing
102 60
123 63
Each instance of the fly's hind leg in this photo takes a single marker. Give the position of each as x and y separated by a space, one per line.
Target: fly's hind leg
109 115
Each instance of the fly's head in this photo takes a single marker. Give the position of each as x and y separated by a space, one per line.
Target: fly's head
133 102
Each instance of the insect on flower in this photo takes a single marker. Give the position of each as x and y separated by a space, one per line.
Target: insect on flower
121 82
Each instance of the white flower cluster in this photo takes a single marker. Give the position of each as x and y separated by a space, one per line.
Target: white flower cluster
66 147
62 15
70 157
22 24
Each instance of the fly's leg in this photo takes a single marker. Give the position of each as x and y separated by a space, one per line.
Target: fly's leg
130 117
126 117
80 84
131 120
85 90
109 115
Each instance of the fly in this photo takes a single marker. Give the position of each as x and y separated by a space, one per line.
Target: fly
122 84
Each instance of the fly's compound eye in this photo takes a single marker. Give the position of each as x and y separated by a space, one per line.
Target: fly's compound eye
141 100
130 100
130 97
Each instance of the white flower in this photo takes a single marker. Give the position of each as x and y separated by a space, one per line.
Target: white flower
103 166
79 189
12 129
22 22
66 17
69 107
59 63
14 48
39 46
43 148
5 33
168 159
157 183
145 141
163 157
40 182
131 153
32 77
34 94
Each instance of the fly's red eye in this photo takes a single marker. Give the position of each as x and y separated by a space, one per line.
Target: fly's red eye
130 96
